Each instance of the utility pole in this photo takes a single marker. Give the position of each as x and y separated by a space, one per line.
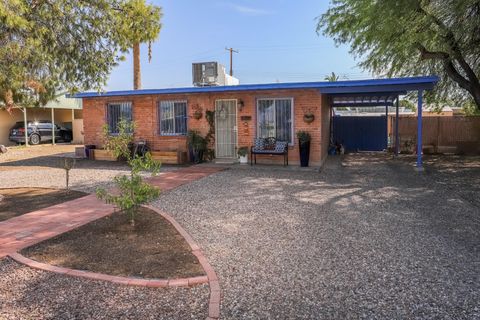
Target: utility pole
231 59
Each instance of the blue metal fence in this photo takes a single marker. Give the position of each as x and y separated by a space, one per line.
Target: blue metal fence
360 133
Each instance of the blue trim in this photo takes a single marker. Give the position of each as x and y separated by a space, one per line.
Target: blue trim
362 86
419 129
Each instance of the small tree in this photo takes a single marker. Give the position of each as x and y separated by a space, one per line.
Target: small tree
132 190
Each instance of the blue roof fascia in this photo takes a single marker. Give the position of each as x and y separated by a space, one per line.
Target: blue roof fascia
356 86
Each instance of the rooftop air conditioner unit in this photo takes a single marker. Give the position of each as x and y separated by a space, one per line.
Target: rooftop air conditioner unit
206 74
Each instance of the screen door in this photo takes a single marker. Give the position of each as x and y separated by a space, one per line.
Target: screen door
225 128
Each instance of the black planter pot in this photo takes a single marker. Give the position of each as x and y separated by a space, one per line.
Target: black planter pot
304 153
195 156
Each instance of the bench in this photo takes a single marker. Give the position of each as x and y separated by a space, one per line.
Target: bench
269 146
170 157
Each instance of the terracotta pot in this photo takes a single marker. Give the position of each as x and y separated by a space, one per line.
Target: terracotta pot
197 115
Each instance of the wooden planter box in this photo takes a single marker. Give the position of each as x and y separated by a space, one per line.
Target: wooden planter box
170 157
104 155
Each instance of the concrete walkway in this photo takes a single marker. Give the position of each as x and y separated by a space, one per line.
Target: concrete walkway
28 229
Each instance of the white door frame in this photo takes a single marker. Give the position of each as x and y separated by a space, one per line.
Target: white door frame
235 128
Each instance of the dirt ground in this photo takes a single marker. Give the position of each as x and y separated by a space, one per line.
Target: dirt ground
17 201
22 152
151 249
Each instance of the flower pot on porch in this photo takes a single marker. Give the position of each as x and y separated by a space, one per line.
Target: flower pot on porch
244 159
196 156
304 153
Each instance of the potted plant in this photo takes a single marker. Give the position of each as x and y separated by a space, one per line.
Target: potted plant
308 117
243 154
196 146
304 147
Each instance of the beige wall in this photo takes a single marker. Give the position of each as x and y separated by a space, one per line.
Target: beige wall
62 117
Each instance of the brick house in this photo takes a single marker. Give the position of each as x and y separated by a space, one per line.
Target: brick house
243 112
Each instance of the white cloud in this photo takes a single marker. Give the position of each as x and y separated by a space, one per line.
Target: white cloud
250 11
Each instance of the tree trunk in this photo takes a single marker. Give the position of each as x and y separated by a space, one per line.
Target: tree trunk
9 103
137 81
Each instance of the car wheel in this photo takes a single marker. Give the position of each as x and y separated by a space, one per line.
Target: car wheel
34 139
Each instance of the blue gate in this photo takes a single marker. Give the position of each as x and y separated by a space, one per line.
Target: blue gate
360 133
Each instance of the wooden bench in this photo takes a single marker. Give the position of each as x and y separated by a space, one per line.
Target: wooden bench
269 146
170 157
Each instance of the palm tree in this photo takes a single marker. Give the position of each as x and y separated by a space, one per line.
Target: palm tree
332 77
139 23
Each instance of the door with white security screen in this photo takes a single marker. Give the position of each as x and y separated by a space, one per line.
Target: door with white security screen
225 128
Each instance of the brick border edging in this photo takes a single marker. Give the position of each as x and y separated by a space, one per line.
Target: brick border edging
152 283
211 277
214 284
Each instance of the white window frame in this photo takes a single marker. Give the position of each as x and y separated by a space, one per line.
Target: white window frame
159 112
292 115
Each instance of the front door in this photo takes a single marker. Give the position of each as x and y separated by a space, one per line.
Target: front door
225 128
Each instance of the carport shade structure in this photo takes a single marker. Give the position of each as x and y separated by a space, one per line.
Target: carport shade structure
382 92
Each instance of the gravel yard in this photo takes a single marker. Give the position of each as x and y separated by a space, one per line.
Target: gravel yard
368 239
372 239
26 293
39 166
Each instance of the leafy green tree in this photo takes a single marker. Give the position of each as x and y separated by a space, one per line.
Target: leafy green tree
51 45
407 104
412 37
138 23
131 191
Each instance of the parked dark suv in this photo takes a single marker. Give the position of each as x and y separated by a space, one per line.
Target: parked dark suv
39 131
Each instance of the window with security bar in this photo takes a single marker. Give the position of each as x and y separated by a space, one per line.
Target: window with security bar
173 118
116 112
275 119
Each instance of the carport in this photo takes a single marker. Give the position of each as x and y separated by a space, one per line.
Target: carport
381 92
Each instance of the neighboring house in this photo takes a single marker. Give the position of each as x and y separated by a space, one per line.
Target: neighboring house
66 112
243 112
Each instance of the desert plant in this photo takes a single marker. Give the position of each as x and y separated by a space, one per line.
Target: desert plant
67 164
119 142
303 137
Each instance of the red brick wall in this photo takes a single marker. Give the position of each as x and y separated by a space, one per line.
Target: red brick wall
146 117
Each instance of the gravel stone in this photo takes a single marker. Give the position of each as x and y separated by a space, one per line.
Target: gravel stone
370 239
39 166
27 293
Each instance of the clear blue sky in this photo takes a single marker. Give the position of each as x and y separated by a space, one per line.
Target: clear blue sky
276 40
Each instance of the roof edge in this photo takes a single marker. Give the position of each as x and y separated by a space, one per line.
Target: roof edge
421 82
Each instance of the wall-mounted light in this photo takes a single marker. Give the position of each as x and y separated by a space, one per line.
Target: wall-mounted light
241 104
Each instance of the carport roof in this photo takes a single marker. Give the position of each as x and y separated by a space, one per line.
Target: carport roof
379 87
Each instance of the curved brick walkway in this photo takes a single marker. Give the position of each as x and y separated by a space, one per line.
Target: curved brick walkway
25 230
28 229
